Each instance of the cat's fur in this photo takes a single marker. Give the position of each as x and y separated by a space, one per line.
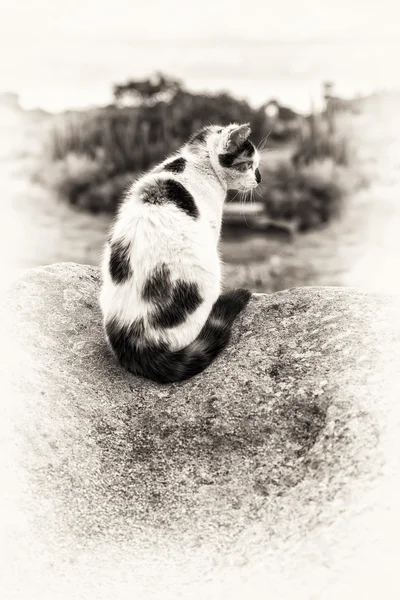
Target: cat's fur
164 315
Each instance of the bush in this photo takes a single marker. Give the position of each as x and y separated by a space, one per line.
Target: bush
94 155
319 139
308 195
307 189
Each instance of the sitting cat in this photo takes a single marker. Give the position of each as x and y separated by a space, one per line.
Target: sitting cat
164 315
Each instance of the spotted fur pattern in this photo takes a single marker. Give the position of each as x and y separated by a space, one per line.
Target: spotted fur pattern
246 149
164 191
164 315
176 166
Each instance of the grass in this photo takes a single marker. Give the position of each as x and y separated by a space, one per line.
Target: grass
306 187
322 138
43 231
90 160
306 196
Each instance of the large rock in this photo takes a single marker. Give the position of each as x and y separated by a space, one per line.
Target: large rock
274 474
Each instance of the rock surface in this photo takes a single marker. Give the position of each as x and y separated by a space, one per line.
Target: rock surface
274 474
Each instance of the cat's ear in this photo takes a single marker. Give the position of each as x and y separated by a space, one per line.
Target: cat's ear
235 137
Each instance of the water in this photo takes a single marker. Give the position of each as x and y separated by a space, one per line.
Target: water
83 73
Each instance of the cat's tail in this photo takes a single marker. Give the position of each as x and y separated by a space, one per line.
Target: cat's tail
215 334
165 366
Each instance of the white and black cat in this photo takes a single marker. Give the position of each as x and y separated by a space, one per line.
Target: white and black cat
164 315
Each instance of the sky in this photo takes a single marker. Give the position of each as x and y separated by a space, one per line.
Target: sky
46 20
56 53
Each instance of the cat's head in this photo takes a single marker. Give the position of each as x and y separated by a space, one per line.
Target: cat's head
233 156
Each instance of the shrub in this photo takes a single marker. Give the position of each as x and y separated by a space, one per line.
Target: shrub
93 155
308 195
320 138
307 189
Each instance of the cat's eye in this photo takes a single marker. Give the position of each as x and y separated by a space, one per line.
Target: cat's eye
244 166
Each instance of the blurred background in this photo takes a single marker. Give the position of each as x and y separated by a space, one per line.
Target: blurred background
93 93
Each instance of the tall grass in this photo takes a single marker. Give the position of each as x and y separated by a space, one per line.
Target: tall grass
126 141
322 138
309 188
92 157
305 196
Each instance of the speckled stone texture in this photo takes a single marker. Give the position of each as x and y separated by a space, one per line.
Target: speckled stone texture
274 474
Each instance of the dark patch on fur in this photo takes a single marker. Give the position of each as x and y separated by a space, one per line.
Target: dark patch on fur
173 301
139 356
119 265
171 192
122 337
200 136
158 286
176 166
127 342
245 150
179 195
183 302
258 175
158 362
225 310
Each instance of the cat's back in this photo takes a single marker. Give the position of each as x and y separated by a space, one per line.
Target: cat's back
165 219
172 211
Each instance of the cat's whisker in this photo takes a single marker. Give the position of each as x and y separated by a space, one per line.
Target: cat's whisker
233 199
261 145
246 196
243 213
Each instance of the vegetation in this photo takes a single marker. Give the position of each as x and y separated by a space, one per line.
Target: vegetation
305 196
146 91
92 157
308 188
319 139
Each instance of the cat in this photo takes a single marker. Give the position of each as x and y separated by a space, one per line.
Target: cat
164 315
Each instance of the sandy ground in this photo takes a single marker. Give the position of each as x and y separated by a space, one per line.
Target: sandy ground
361 249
